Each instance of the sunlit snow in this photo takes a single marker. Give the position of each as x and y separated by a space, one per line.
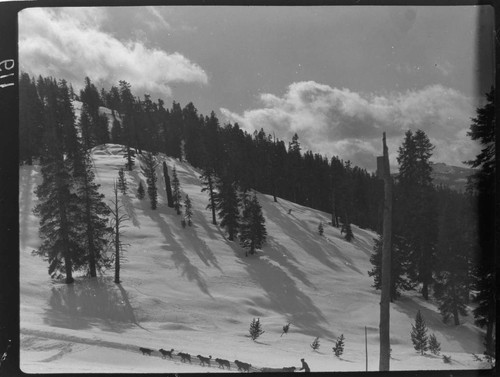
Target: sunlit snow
193 290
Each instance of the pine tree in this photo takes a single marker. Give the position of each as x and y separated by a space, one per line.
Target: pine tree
94 218
484 183
122 182
129 132
149 170
168 187
451 287
58 207
116 132
399 267
419 336
415 212
30 120
140 191
321 229
176 192
130 157
208 180
294 158
338 349
315 344
252 227
97 131
188 212
255 329
227 204
347 230
117 226
434 345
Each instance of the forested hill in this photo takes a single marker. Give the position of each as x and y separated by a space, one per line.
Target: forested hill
192 289
439 247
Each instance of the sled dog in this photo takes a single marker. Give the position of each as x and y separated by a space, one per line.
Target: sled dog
184 357
145 351
164 353
242 366
204 360
223 363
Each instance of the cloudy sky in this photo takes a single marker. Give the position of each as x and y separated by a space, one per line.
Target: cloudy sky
336 76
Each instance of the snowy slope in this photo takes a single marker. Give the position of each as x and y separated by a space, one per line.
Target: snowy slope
194 291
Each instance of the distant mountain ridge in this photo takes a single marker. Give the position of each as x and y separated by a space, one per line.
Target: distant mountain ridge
454 177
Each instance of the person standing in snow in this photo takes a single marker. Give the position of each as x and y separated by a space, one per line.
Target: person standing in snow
304 366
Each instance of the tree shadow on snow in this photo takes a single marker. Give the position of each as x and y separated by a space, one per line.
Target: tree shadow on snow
179 257
77 305
309 244
281 255
283 296
129 209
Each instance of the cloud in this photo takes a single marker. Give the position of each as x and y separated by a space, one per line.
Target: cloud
70 43
344 123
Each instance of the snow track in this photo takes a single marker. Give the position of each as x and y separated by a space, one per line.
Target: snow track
67 343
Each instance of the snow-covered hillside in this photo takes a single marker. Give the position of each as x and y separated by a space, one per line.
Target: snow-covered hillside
194 291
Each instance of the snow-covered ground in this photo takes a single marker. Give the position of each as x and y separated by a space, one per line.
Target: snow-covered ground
194 291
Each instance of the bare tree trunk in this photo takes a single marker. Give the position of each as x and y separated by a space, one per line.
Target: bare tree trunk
385 343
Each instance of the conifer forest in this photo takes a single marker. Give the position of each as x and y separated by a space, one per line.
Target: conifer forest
443 239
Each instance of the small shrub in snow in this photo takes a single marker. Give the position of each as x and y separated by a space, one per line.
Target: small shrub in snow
315 344
256 329
419 334
285 329
140 191
338 349
447 359
188 211
434 345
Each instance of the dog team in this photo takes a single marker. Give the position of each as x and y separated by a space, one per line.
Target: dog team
242 367
185 357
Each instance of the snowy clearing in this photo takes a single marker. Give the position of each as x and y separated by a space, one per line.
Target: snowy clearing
194 291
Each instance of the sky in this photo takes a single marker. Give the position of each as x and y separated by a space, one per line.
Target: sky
338 76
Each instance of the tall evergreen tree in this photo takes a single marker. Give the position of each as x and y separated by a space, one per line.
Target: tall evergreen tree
294 167
116 132
127 104
252 227
176 191
30 120
399 267
227 204
168 187
415 212
208 180
451 286
149 170
483 182
58 206
94 218
98 123
122 181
